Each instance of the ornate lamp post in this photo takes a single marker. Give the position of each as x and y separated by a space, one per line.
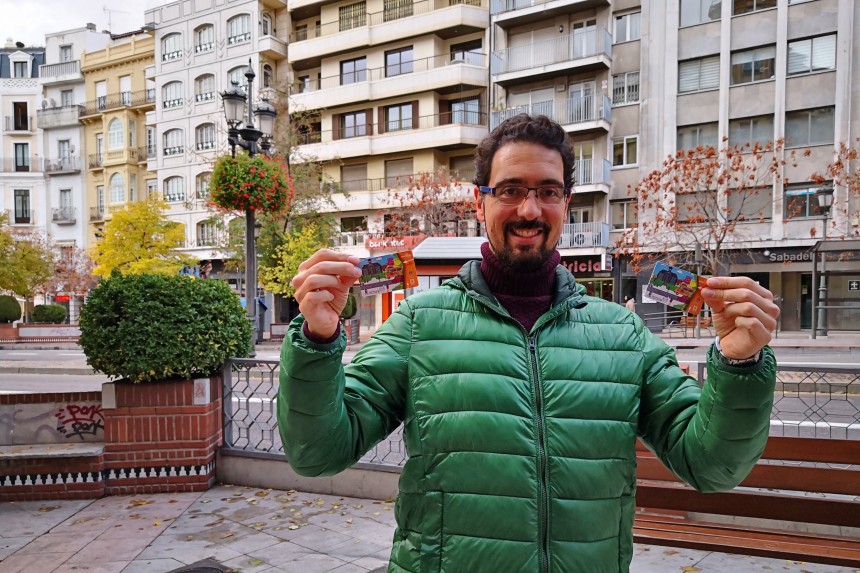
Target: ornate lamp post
699 259
241 132
825 202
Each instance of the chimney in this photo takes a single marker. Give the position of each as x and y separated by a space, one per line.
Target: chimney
91 27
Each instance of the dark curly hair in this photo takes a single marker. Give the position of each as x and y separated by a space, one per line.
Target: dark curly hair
526 129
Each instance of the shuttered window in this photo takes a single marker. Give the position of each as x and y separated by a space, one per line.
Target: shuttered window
812 55
700 74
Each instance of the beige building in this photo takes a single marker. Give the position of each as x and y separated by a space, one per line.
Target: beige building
119 91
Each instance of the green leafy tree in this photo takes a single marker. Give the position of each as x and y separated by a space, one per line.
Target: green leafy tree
299 244
141 240
26 262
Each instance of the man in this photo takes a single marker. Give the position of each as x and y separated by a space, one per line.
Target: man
521 398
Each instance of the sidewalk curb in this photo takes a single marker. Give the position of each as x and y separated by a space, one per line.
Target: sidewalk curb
45 370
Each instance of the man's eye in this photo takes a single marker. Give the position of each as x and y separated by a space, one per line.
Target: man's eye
508 191
550 192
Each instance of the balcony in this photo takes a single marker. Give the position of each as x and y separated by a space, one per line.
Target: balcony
120 156
592 176
140 98
62 166
444 18
272 48
579 114
64 216
509 13
65 116
96 161
20 123
60 73
173 151
444 131
439 73
21 165
584 51
97 214
584 236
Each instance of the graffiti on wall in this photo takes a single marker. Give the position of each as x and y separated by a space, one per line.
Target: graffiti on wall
51 423
79 420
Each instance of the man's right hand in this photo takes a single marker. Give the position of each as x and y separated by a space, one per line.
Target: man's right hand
322 289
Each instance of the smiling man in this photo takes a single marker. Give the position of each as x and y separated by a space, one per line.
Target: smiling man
521 398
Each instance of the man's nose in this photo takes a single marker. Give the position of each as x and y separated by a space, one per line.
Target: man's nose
530 207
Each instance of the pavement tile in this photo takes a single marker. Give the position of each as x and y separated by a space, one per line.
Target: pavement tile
186 550
349 568
101 567
354 549
248 564
718 562
152 566
56 543
656 559
10 545
311 563
33 562
375 561
36 517
121 549
322 540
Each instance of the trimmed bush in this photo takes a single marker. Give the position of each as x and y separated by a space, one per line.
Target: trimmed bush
10 310
50 313
156 327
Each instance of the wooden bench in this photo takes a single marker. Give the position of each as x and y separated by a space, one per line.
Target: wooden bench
793 505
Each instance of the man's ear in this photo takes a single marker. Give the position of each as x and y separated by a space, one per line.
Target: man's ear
479 204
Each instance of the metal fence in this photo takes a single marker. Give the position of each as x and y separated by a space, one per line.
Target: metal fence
811 401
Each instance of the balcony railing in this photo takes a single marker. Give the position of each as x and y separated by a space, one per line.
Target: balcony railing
59 116
592 171
97 213
474 118
62 165
19 123
95 160
174 150
63 216
570 47
118 100
393 182
584 235
21 164
574 110
205 96
48 71
398 10
394 70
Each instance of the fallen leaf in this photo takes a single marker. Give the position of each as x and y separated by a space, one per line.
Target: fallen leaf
46 508
255 562
189 538
156 523
358 506
690 568
227 535
139 502
293 527
261 493
377 513
670 552
260 524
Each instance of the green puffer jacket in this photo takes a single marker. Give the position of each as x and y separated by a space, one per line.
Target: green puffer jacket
521 444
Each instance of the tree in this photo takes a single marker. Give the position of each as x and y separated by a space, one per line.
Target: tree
25 262
140 240
846 183
73 273
698 201
299 244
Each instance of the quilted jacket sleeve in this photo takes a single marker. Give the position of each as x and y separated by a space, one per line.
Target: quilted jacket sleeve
328 416
711 438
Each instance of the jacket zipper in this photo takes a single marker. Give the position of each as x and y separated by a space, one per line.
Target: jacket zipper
542 463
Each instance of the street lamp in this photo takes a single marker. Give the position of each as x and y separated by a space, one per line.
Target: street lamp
697 254
242 133
825 202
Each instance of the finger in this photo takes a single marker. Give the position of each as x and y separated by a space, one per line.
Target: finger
344 269
316 283
737 282
327 255
744 310
717 298
758 332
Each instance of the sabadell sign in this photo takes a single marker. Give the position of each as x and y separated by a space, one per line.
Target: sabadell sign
786 257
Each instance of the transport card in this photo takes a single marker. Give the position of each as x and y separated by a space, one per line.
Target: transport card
677 288
387 273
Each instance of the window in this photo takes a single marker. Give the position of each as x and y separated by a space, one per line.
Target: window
352 224
353 71
353 124
268 76
116 134
398 172
205 234
750 204
101 95
201 186
22 157
132 188
396 9
64 151
809 127
801 200
266 25
467 111
204 88
66 53
22 207
624 214
20 119
19 70
205 136
67 98
117 188
238 29
151 188
171 47
174 190
125 90
751 130
352 16
625 88
627 27
173 142
700 11
132 133
700 74
812 55
354 177
66 200
171 95
305 84
468 52
624 150
695 207
151 146
204 38
753 65
745 6
462 167
398 117
237 76
692 136
398 62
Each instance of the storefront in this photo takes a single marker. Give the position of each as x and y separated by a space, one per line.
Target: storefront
594 272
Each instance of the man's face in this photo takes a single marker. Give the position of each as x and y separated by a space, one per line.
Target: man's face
523 236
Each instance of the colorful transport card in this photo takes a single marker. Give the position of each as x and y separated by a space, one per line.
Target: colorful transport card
387 273
677 288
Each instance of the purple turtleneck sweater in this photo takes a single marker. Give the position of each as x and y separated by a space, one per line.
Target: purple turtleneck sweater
526 296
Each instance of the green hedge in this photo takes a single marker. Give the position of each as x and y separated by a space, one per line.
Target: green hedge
49 313
10 310
154 327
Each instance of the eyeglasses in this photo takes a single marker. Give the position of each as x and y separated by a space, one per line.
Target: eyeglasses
516 194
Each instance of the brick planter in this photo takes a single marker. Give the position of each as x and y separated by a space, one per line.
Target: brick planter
161 437
8 331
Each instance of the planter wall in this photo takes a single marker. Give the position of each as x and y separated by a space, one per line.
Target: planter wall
8 332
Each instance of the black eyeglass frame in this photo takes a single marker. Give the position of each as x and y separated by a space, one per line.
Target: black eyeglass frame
487 190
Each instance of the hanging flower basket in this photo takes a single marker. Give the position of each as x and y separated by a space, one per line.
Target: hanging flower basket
256 183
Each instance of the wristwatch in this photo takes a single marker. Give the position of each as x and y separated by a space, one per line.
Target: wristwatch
723 359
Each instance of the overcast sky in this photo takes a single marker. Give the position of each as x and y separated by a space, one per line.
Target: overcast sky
29 20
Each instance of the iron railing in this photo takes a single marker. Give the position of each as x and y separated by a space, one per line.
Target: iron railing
810 401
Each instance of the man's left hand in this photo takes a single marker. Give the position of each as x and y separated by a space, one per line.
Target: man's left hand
743 313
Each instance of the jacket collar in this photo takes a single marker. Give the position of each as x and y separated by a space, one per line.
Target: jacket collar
566 287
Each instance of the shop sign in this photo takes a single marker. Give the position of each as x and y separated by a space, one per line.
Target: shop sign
790 256
853 285
592 264
406 243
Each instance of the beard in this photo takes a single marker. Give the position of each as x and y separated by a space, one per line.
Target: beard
524 260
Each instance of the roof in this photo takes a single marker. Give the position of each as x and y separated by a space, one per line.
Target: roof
455 248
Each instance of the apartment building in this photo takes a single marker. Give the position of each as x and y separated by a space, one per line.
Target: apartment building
200 51
22 182
119 92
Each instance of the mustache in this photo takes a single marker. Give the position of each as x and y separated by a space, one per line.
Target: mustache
527 225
